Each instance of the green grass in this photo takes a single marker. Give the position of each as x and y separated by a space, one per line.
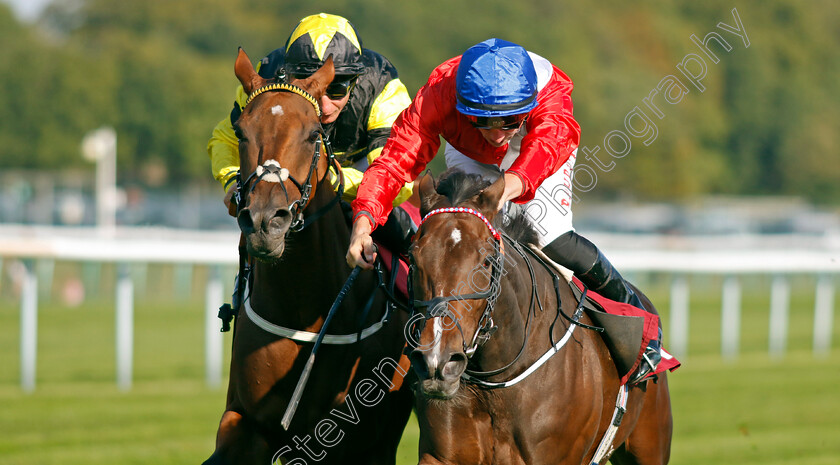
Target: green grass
754 410
757 411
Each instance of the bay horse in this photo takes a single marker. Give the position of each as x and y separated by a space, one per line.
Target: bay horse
355 405
489 317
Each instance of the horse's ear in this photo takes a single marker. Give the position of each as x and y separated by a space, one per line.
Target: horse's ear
246 74
318 82
428 193
488 199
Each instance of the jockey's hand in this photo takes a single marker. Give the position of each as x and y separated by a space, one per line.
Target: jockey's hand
361 251
231 207
513 189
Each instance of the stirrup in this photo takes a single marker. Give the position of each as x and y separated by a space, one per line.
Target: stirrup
650 360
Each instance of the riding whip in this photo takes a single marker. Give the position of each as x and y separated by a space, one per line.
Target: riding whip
304 377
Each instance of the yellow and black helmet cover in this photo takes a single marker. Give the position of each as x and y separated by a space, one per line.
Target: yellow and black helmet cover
317 37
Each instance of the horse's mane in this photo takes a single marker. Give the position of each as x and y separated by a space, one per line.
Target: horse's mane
458 187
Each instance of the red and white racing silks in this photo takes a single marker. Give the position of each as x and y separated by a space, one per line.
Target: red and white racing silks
551 138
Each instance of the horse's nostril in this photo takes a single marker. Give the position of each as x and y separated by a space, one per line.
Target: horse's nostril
418 363
281 219
455 366
246 223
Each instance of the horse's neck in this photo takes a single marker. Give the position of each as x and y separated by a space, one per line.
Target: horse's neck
516 304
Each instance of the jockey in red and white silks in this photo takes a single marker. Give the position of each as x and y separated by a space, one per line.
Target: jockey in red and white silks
550 210
549 137
500 109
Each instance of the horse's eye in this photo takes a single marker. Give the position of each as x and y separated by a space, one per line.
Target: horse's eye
313 136
238 133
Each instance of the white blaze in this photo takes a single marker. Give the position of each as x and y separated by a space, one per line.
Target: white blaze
456 236
438 330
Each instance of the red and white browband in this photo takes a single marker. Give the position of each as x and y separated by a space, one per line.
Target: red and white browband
471 211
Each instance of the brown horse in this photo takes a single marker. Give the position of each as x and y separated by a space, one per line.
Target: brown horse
355 405
491 314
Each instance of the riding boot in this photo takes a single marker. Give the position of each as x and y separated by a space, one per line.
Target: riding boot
593 269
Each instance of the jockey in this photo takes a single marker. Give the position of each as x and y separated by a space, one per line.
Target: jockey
507 112
357 109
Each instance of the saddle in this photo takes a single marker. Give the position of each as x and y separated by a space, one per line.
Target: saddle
627 329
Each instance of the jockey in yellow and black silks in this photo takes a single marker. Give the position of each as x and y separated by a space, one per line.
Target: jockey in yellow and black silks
358 108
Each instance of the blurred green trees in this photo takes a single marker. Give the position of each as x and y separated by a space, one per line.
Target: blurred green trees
160 71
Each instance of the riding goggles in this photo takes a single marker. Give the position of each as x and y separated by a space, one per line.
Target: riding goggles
338 88
505 123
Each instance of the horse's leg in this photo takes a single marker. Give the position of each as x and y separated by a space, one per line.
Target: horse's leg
383 447
402 402
650 441
238 442
454 431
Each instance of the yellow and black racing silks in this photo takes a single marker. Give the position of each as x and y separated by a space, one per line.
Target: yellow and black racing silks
357 136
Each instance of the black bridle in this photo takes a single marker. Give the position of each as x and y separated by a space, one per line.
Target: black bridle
439 306
305 187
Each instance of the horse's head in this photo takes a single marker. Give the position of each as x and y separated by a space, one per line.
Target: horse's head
280 139
456 262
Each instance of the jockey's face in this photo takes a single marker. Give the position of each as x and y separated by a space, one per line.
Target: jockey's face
336 96
331 108
498 130
498 137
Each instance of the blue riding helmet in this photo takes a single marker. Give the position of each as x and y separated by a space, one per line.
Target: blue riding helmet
496 78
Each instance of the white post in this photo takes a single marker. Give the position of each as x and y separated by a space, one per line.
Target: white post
100 146
213 336
823 315
678 340
125 327
779 309
28 328
730 318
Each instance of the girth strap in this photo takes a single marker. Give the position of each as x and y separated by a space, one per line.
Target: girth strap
308 336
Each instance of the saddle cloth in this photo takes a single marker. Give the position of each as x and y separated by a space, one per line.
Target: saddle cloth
386 255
